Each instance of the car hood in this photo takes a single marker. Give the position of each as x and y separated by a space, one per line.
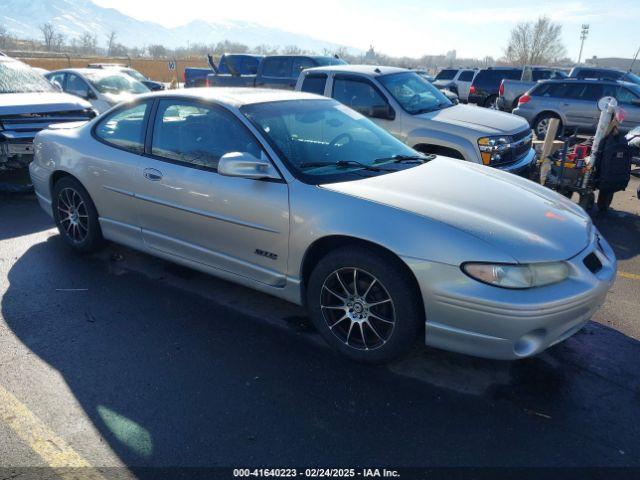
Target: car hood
528 222
17 103
484 120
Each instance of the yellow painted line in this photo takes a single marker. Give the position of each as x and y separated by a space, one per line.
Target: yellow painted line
52 449
632 276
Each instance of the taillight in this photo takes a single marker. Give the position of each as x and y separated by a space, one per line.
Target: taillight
206 82
524 99
472 89
501 89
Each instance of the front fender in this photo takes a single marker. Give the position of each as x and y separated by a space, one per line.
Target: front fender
427 136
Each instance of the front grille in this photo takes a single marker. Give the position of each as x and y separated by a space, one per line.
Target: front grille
520 146
34 122
593 263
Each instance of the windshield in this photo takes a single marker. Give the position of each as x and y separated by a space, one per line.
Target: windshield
135 75
323 141
446 75
16 77
414 93
112 82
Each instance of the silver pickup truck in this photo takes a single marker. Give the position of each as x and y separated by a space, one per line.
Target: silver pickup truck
28 104
510 91
416 112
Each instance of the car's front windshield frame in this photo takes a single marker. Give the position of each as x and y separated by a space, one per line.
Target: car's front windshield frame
442 100
349 170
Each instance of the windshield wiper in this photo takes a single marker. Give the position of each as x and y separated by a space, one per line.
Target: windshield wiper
406 158
344 163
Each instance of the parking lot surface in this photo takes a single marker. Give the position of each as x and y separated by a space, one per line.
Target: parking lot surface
122 360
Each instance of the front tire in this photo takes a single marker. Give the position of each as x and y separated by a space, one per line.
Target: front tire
364 304
76 216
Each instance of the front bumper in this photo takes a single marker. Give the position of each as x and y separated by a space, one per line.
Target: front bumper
521 167
466 316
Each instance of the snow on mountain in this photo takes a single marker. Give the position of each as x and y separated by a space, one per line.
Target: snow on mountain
72 18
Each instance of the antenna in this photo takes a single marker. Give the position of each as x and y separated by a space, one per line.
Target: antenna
634 60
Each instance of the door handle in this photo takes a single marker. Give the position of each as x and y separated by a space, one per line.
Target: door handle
152 174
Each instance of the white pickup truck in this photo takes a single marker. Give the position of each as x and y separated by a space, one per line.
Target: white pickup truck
416 112
28 104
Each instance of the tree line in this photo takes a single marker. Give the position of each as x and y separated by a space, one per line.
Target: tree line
530 43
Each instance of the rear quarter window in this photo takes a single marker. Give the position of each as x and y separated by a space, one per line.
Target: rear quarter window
124 128
314 84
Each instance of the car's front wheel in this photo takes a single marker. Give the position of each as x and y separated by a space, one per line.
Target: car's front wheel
76 216
364 304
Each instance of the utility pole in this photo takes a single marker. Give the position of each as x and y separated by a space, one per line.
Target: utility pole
583 36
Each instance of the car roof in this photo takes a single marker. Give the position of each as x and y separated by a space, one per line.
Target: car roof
372 70
85 70
235 96
585 80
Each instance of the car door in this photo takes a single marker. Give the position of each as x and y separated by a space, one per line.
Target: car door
76 85
188 210
628 100
112 170
583 105
361 95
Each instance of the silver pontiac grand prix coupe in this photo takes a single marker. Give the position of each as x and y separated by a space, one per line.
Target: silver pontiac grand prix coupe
301 197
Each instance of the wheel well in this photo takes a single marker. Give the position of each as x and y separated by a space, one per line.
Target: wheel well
323 246
439 150
546 113
57 175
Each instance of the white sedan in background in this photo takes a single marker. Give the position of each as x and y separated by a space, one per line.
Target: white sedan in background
102 88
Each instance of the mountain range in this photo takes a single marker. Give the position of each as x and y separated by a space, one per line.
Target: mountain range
73 18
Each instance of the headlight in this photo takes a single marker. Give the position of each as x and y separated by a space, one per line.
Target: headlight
492 148
517 276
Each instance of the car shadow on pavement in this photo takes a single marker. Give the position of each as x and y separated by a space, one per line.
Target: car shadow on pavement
16 208
171 379
622 231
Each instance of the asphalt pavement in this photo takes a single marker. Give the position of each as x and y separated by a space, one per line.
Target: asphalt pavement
120 362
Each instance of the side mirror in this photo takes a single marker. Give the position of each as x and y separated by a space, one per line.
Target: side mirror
90 95
245 165
383 112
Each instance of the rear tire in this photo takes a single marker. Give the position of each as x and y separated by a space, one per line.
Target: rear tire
364 304
76 216
490 102
541 125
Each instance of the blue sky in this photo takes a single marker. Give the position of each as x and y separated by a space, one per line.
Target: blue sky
412 27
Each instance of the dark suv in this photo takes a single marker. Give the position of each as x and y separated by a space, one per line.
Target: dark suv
485 85
590 73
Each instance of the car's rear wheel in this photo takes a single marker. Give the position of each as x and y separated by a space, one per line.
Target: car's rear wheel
76 216
364 304
541 125
490 102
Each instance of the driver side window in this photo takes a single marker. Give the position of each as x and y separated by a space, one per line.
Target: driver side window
77 86
198 134
359 95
